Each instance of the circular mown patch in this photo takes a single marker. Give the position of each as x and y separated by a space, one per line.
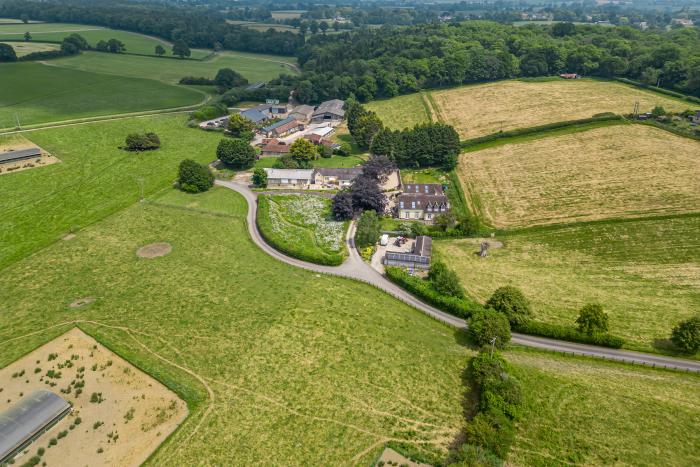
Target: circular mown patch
154 250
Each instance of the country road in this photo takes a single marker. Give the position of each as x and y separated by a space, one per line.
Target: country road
355 268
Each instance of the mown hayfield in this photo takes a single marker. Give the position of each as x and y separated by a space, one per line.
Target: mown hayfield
254 67
55 32
287 14
26 48
506 105
34 93
94 178
402 112
279 366
613 171
645 273
584 412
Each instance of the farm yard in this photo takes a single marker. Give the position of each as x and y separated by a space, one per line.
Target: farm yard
55 32
94 179
34 93
275 363
254 67
627 267
302 226
120 415
482 109
616 171
583 412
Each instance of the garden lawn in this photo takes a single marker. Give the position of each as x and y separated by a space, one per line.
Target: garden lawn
482 109
302 226
585 412
402 112
609 172
94 178
35 93
55 32
303 368
254 67
645 274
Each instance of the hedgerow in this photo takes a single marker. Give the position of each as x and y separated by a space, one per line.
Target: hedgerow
567 333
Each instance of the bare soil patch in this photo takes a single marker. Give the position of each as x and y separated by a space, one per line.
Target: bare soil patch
154 250
81 302
124 413
506 105
391 457
68 237
17 143
617 171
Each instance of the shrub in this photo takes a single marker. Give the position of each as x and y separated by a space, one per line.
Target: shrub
194 177
511 301
368 229
445 280
260 178
209 112
142 142
53 442
469 455
686 335
236 153
592 319
485 325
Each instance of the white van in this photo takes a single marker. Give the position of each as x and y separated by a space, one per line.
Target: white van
384 241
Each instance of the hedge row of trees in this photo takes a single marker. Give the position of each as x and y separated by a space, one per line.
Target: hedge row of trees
71 45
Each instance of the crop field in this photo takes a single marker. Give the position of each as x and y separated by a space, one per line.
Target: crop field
506 105
287 14
26 48
302 226
615 171
34 93
584 412
275 363
402 112
254 67
94 179
55 32
644 273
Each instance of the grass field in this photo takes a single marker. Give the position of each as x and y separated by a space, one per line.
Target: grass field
506 105
584 412
299 367
36 93
253 66
287 14
26 48
645 273
614 171
403 111
55 32
302 226
94 178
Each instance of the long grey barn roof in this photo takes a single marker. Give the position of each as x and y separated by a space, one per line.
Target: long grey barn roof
27 417
407 257
19 154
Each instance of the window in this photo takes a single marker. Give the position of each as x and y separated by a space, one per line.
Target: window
284 180
413 204
406 214
417 215
430 216
401 204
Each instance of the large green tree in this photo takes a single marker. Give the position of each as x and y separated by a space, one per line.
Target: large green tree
686 336
368 229
180 49
7 53
511 302
236 153
194 177
303 152
489 327
592 319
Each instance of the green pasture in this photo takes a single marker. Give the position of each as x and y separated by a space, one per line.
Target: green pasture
402 112
55 32
94 178
254 67
34 93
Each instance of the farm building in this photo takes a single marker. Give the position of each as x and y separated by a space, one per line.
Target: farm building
338 177
19 155
302 113
324 131
27 420
316 139
254 115
274 148
289 178
419 258
329 111
272 109
283 128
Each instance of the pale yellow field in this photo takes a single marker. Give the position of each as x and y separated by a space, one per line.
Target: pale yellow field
506 105
609 172
25 48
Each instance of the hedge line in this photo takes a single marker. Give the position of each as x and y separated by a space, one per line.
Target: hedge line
422 289
669 128
537 129
265 229
570 334
667 92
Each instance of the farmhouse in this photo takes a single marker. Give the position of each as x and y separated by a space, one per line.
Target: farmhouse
337 177
19 155
27 420
254 115
422 201
283 128
274 148
302 113
329 111
289 178
419 258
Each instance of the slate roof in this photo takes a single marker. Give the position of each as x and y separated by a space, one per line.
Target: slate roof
20 154
334 106
422 201
423 246
342 173
406 257
254 115
423 188
276 125
296 174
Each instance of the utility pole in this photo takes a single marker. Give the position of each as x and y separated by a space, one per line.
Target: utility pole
493 344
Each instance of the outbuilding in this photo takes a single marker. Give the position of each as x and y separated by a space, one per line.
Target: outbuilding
19 155
329 111
419 258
